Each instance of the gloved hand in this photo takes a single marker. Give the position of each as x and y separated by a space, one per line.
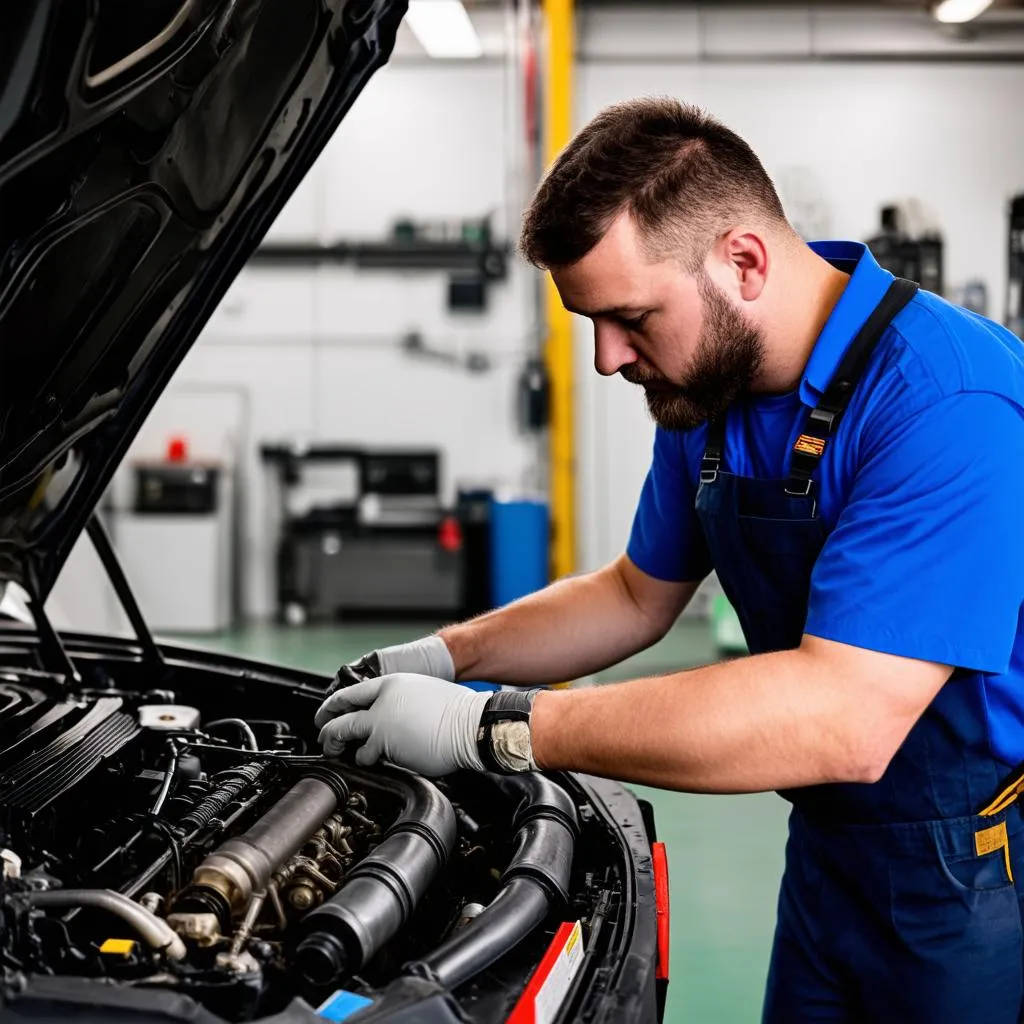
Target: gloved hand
414 721
428 656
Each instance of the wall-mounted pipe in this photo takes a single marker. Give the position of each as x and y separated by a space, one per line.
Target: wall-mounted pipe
558 68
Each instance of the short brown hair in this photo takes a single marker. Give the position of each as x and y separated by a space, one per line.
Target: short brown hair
683 176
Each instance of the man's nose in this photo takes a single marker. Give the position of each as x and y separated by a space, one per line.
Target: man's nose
612 349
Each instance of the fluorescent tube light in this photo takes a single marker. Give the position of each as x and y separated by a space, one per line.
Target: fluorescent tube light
956 12
443 28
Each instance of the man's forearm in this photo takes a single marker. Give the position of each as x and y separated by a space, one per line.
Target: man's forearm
767 722
567 630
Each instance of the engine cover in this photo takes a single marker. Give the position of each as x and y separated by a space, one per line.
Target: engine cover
48 746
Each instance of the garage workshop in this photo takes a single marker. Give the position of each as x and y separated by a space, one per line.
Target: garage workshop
510 511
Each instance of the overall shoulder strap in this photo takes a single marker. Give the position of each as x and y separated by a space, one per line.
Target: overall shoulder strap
823 420
714 451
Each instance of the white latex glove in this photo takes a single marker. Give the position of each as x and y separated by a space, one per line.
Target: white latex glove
417 722
428 656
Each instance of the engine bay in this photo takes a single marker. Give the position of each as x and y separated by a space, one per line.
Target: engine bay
150 845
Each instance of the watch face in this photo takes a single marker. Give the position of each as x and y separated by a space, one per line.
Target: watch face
510 742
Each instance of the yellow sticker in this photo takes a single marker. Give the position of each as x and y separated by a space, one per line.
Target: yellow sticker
577 932
118 947
988 840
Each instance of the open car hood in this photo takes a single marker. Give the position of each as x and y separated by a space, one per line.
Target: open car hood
144 151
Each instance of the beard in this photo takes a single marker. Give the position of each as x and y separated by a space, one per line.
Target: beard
729 354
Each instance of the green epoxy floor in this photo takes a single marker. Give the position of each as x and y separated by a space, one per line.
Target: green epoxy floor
725 853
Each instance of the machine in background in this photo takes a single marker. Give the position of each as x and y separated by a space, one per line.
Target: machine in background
387 547
917 256
1015 267
177 542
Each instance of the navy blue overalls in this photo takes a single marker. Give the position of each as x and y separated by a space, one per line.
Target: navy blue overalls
898 901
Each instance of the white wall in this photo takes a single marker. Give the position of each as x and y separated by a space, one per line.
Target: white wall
862 133
313 355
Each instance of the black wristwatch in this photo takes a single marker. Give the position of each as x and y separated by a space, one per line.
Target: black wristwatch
503 738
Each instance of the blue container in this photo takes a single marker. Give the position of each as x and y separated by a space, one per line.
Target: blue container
519 549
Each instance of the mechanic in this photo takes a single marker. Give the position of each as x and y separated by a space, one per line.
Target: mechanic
846 452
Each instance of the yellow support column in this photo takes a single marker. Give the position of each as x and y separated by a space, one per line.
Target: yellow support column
558 15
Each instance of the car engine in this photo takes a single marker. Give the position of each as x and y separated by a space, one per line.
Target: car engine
228 861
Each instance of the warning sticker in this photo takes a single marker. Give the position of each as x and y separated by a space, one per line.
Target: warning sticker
547 988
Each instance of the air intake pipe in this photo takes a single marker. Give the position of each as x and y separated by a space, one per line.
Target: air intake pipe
535 882
381 892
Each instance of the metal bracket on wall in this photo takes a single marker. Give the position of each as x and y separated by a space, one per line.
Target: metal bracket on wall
414 344
473 266
489 260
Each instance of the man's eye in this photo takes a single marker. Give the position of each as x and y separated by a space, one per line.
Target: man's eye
635 323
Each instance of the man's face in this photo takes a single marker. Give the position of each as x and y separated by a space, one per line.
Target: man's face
677 335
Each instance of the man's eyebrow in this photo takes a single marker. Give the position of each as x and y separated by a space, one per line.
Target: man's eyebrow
609 311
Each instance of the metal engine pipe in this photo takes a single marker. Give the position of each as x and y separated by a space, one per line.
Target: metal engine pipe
156 933
225 881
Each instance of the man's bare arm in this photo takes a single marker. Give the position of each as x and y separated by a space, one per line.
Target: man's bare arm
569 629
825 712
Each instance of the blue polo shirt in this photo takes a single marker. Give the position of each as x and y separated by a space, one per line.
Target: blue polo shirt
922 490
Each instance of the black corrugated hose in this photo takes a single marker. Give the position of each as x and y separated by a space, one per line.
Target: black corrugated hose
535 882
381 892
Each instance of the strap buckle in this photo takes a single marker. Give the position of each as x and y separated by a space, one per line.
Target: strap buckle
825 416
710 463
799 488
714 446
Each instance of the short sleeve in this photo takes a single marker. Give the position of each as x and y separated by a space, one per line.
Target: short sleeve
667 541
927 558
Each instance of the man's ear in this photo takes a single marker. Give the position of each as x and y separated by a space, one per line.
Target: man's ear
745 252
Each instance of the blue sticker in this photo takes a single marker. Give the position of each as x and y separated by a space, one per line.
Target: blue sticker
342 1005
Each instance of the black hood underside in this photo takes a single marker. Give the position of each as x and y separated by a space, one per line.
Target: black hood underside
145 148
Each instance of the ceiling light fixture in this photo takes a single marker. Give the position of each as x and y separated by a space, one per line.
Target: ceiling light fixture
443 28
956 12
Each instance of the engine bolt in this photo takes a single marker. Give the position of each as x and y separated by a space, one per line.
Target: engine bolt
302 897
151 901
